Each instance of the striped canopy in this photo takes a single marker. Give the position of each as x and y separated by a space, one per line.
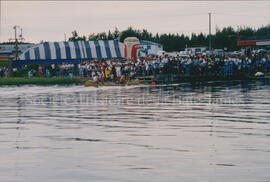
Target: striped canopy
100 49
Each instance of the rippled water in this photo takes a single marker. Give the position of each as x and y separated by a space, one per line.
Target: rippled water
218 131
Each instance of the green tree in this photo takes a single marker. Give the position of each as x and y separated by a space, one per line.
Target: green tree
75 37
225 37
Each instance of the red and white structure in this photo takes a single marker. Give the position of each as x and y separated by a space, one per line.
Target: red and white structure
132 46
264 42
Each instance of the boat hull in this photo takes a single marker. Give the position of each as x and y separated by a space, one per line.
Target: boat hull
92 84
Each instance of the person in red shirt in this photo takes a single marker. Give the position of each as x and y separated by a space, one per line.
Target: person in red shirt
40 71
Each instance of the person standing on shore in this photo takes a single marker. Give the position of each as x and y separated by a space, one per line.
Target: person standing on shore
107 74
30 74
58 71
70 73
40 71
114 72
47 73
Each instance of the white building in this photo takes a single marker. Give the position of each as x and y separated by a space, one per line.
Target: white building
8 51
151 48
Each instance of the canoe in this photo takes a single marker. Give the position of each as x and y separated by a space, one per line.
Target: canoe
90 83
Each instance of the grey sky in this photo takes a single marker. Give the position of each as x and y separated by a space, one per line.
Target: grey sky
49 20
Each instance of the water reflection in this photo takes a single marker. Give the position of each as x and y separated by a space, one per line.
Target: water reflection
214 131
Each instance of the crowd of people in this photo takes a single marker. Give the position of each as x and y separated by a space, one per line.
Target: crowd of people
123 70
5 72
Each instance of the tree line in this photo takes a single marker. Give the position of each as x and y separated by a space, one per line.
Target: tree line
225 38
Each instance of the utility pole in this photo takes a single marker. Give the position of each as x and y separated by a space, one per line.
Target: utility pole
210 41
65 37
16 39
21 36
16 45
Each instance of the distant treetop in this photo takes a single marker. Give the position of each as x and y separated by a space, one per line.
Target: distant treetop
223 38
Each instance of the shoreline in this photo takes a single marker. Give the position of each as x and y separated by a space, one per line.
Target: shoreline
17 81
160 79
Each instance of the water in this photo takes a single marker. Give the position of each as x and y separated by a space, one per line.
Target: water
218 131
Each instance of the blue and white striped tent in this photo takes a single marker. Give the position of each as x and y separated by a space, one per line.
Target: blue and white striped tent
58 52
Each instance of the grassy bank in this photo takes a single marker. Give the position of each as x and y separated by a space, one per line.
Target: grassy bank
5 63
38 81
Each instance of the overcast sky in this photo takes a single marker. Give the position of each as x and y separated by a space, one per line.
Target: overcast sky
50 20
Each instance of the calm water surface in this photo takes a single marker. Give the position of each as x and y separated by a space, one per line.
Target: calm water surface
218 131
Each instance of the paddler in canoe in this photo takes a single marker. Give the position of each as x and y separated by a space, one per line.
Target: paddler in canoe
109 79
